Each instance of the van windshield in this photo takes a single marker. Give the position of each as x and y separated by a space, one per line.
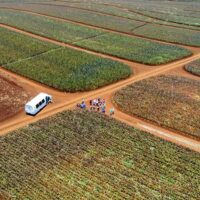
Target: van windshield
29 107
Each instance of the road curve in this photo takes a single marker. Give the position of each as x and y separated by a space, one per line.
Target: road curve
154 129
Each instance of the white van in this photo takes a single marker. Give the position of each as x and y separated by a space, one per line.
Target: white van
37 103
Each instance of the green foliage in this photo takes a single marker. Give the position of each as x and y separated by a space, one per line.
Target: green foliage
120 17
128 163
71 70
170 34
14 46
180 18
84 16
135 49
169 101
44 26
194 67
62 68
177 13
47 160
131 48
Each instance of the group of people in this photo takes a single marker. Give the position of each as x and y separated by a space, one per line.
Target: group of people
97 105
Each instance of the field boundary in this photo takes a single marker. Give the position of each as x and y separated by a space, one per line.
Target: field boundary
77 47
99 28
142 14
150 122
123 17
159 131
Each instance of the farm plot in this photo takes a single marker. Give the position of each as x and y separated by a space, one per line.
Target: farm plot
135 49
194 67
14 46
128 11
140 50
187 20
88 6
44 26
84 155
87 17
178 12
71 70
169 101
12 98
107 21
168 34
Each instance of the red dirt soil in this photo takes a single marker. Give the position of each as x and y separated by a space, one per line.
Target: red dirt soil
12 97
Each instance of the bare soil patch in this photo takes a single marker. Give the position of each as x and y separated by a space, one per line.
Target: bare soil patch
12 97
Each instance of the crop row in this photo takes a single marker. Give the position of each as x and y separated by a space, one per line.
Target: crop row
68 32
194 67
63 68
169 101
44 26
135 49
14 46
178 12
71 70
123 18
170 34
88 8
84 155
187 20
136 11
131 48
104 21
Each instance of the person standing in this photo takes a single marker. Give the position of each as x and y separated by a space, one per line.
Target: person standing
112 112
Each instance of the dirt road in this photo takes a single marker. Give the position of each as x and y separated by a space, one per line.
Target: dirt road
152 128
64 101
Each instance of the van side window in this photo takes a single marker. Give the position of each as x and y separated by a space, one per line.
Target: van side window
40 103
37 105
43 100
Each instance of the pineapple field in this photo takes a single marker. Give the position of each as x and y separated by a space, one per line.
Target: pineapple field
99 100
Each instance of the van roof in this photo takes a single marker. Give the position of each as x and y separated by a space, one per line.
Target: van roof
37 99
